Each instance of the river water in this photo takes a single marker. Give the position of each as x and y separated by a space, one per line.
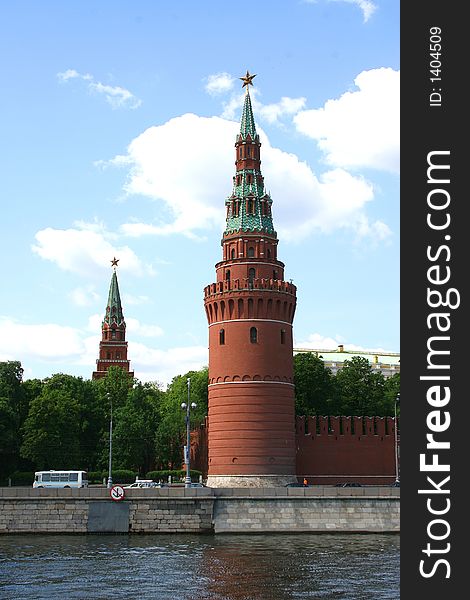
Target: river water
200 567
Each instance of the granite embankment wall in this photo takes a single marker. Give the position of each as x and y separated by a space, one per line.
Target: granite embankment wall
179 510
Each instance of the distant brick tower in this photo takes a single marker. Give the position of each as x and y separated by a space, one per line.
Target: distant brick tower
250 310
113 345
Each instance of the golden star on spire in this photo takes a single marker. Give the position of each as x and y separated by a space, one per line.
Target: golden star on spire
114 262
248 79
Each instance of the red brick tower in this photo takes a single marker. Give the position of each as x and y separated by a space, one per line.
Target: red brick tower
250 310
113 345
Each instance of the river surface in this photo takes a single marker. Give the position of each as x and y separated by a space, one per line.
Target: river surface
200 567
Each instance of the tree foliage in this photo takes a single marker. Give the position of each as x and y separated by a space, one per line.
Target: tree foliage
356 390
13 411
52 428
314 385
170 436
360 388
135 425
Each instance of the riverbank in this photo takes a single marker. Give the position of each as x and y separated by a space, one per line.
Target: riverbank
201 510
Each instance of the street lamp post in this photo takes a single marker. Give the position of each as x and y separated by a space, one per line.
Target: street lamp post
397 472
187 449
110 478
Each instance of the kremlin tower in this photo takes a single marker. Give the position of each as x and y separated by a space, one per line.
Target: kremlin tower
250 310
113 345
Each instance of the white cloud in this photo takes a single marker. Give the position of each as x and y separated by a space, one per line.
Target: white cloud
193 188
84 296
129 299
49 342
366 6
85 251
136 328
150 364
116 96
271 113
316 341
219 83
95 321
362 127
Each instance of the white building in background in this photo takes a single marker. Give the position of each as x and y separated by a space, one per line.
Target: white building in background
388 363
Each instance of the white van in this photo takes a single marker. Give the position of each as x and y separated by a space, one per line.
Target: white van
60 479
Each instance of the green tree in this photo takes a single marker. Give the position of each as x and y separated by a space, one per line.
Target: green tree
360 388
13 411
171 432
115 387
136 426
113 391
93 424
314 386
391 389
53 427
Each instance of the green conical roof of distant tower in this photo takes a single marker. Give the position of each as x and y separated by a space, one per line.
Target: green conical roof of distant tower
114 308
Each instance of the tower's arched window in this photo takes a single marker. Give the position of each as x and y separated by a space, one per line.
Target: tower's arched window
253 335
251 275
227 274
113 334
118 355
108 355
248 151
251 252
269 253
232 253
274 275
283 336
222 337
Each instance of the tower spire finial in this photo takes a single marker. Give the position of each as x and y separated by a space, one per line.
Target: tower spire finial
114 263
247 80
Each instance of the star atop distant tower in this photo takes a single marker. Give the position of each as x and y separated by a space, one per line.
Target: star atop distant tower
247 80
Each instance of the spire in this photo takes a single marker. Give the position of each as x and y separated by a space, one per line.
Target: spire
114 308
247 125
249 206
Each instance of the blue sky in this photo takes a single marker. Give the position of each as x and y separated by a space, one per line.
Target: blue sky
118 122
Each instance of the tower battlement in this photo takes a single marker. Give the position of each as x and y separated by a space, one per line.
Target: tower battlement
246 284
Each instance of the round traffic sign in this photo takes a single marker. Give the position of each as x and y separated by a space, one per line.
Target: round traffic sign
117 492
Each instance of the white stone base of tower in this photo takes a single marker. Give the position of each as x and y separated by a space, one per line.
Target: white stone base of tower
250 481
